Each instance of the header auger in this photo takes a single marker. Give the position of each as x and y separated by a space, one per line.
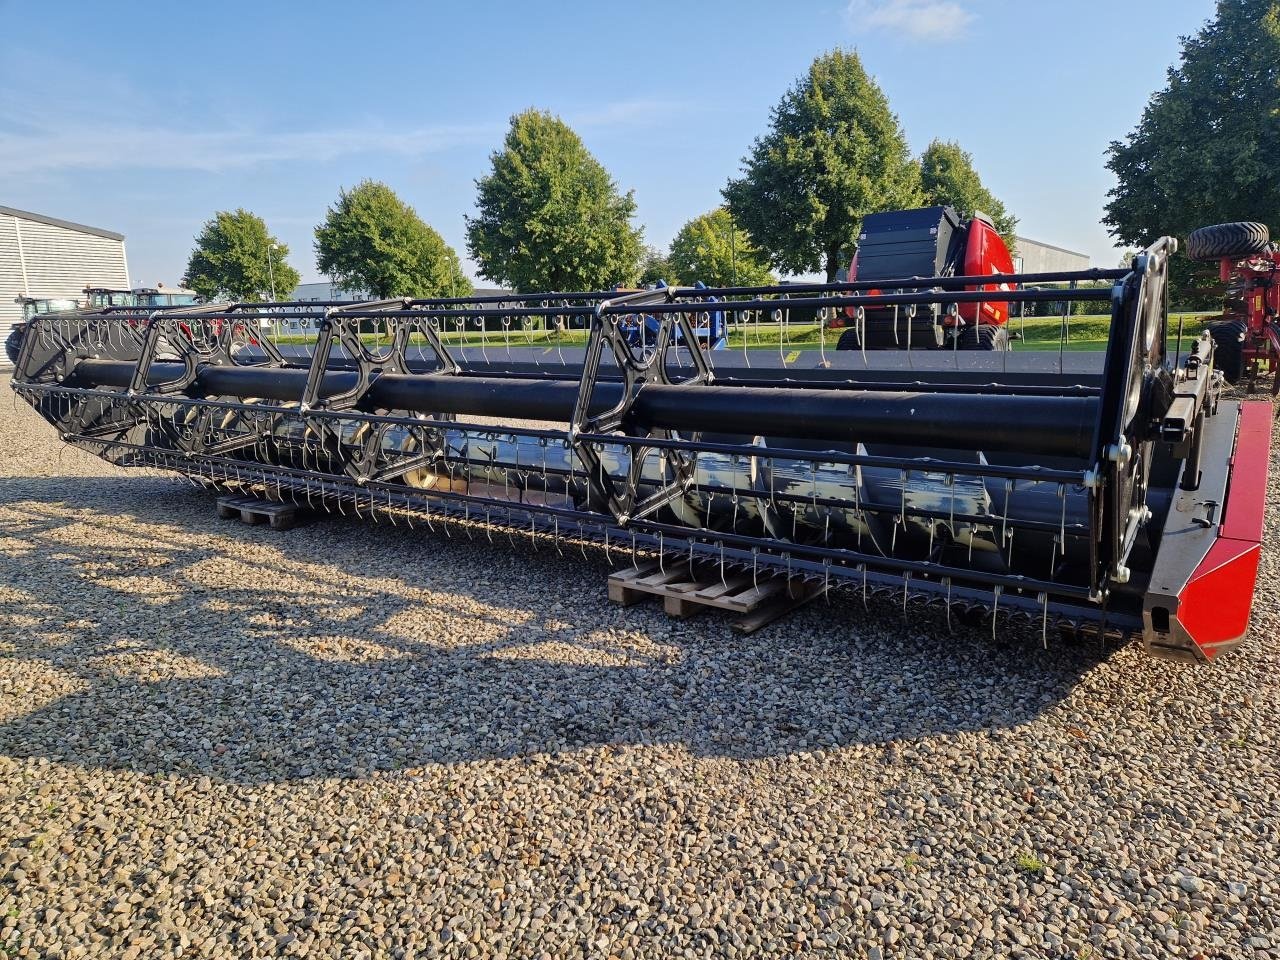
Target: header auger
1128 501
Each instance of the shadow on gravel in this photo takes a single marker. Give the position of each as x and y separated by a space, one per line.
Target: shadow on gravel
160 640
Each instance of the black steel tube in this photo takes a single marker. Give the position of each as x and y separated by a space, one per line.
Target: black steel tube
997 422
1047 425
913 283
267 383
941 297
487 396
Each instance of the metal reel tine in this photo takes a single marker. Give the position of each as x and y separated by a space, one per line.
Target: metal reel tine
1044 620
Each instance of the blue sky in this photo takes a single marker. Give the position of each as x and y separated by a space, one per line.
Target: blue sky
146 118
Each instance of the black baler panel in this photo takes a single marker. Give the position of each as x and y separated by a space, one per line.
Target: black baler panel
906 243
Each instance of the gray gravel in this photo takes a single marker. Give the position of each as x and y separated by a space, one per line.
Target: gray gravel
358 741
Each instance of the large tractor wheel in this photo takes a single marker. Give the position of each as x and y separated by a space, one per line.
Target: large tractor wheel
985 337
1231 240
13 343
849 340
1228 348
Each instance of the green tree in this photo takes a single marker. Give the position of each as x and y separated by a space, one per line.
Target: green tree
714 249
549 216
1205 149
235 258
371 240
654 266
947 176
834 153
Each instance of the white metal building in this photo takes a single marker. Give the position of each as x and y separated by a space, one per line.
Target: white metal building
1032 256
49 258
325 290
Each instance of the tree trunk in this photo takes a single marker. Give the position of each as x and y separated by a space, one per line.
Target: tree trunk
833 264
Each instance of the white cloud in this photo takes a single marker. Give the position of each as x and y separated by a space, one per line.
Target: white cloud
932 20
40 141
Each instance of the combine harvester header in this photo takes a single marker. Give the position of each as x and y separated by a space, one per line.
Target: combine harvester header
1128 501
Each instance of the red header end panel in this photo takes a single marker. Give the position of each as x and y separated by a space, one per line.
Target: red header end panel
984 254
1202 586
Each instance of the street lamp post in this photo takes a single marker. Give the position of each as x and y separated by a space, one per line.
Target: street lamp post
271 273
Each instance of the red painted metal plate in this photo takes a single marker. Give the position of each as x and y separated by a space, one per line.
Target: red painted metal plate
1214 606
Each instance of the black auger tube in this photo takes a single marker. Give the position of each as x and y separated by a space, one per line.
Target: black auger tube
488 396
1060 426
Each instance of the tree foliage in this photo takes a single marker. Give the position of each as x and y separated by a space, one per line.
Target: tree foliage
834 153
549 216
373 241
947 176
1206 148
654 266
230 260
714 249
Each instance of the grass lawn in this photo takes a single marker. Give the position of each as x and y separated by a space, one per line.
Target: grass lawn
1037 333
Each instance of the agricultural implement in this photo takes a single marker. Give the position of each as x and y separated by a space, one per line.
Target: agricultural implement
1126 501
1247 337
929 242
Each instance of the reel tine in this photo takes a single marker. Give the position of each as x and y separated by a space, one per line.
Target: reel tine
1043 598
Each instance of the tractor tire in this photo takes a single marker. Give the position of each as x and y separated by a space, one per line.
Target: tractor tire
1228 348
1230 240
13 343
849 340
986 337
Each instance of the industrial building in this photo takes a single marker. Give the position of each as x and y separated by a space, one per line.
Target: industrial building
1032 256
47 258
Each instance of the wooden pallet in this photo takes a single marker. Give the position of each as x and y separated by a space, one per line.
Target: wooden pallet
253 510
686 592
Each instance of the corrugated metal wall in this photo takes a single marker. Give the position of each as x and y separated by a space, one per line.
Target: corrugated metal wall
43 260
1038 257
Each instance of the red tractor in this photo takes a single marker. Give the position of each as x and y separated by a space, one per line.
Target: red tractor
1247 338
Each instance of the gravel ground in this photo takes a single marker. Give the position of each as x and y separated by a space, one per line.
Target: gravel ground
356 741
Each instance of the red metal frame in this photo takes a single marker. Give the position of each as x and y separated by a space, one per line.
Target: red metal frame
1261 298
1214 605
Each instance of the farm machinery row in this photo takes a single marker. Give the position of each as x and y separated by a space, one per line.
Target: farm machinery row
1127 499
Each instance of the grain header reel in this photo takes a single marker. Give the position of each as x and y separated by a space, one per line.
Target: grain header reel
1127 501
